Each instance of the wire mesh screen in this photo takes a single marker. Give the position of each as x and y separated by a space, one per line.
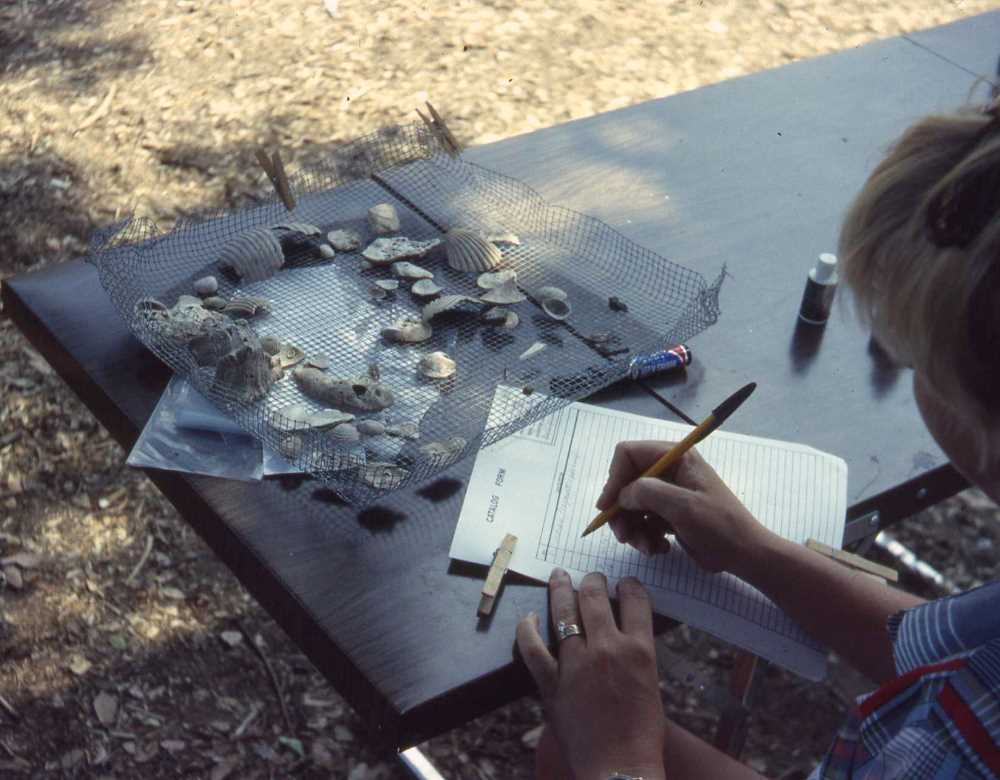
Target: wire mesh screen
622 299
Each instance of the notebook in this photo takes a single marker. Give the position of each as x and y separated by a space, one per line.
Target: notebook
541 484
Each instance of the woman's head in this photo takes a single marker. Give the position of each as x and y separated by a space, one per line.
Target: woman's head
920 249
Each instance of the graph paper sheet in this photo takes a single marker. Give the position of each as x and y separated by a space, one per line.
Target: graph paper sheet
541 485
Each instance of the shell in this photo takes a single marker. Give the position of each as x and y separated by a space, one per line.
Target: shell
617 304
325 250
506 293
362 394
345 433
344 240
271 344
327 418
503 238
304 228
253 256
388 285
436 365
556 309
383 219
446 303
321 362
244 372
469 251
497 315
533 350
512 320
207 285
406 270
443 451
217 338
491 279
186 302
408 331
425 288
384 476
246 308
370 427
291 446
214 303
390 250
544 293
377 293
289 355
404 430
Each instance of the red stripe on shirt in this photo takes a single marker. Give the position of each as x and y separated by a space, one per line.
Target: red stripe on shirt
894 687
969 727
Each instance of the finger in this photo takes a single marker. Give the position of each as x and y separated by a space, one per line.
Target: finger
563 609
634 609
631 458
595 607
536 655
654 496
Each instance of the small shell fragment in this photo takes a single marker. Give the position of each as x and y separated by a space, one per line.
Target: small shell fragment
503 238
377 293
370 427
425 288
506 293
214 303
291 446
443 451
533 350
361 394
406 270
404 430
344 240
270 344
246 308
295 413
327 418
408 331
436 365
383 219
469 251
512 320
556 309
290 355
345 433
496 315
617 304
325 250
389 285
304 228
322 362
207 285
446 303
491 279
390 250
545 293
254 255
384 476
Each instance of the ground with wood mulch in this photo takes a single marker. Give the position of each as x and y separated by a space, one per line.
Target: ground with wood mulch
126 649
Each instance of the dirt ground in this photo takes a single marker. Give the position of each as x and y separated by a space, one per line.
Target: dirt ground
127 649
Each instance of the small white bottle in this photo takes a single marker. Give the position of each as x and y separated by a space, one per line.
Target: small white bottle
817 299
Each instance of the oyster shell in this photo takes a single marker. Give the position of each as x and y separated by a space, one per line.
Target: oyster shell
325 250
382 251
214 303
246 308
389 285
408 331
545 293
442 452
370 427
491 279
469 251
304 228
253 256
291 446
506 293
345 433
406 270
384 476
289 355
344 240
207 285
533 350
556 309
446 303
327 418
425 288
383 218
180 324
244 372
501 316
404 430
321 362
436 365
361 394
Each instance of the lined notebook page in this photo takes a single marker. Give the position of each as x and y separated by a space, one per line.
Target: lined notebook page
541 484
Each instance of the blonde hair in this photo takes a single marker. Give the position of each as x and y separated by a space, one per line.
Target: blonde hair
920 249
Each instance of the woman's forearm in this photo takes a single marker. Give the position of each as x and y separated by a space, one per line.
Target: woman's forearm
844 609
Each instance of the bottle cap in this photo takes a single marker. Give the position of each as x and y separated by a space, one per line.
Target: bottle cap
826 268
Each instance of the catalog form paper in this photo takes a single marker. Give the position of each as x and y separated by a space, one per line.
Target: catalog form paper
541 484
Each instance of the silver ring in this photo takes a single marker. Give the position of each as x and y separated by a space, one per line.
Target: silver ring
568 629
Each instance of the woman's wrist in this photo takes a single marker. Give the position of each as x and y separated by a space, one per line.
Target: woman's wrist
755 556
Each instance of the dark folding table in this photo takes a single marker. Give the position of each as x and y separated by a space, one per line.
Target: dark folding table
754 173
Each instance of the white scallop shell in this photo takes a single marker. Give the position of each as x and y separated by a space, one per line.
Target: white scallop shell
253 255
388 250
469 251
383 218
544 293
446 303
436 365
506 293
407 270
557 309
408 331
491 279
344 240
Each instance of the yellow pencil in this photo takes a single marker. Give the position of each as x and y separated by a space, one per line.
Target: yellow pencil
674 454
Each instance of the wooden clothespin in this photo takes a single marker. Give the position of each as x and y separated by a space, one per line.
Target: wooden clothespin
501 560
853 561
275 171
437 126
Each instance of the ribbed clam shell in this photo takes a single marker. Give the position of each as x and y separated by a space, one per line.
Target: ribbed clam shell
253 255
469 251
506 293
436 365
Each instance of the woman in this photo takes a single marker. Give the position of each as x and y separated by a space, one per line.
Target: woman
920 250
